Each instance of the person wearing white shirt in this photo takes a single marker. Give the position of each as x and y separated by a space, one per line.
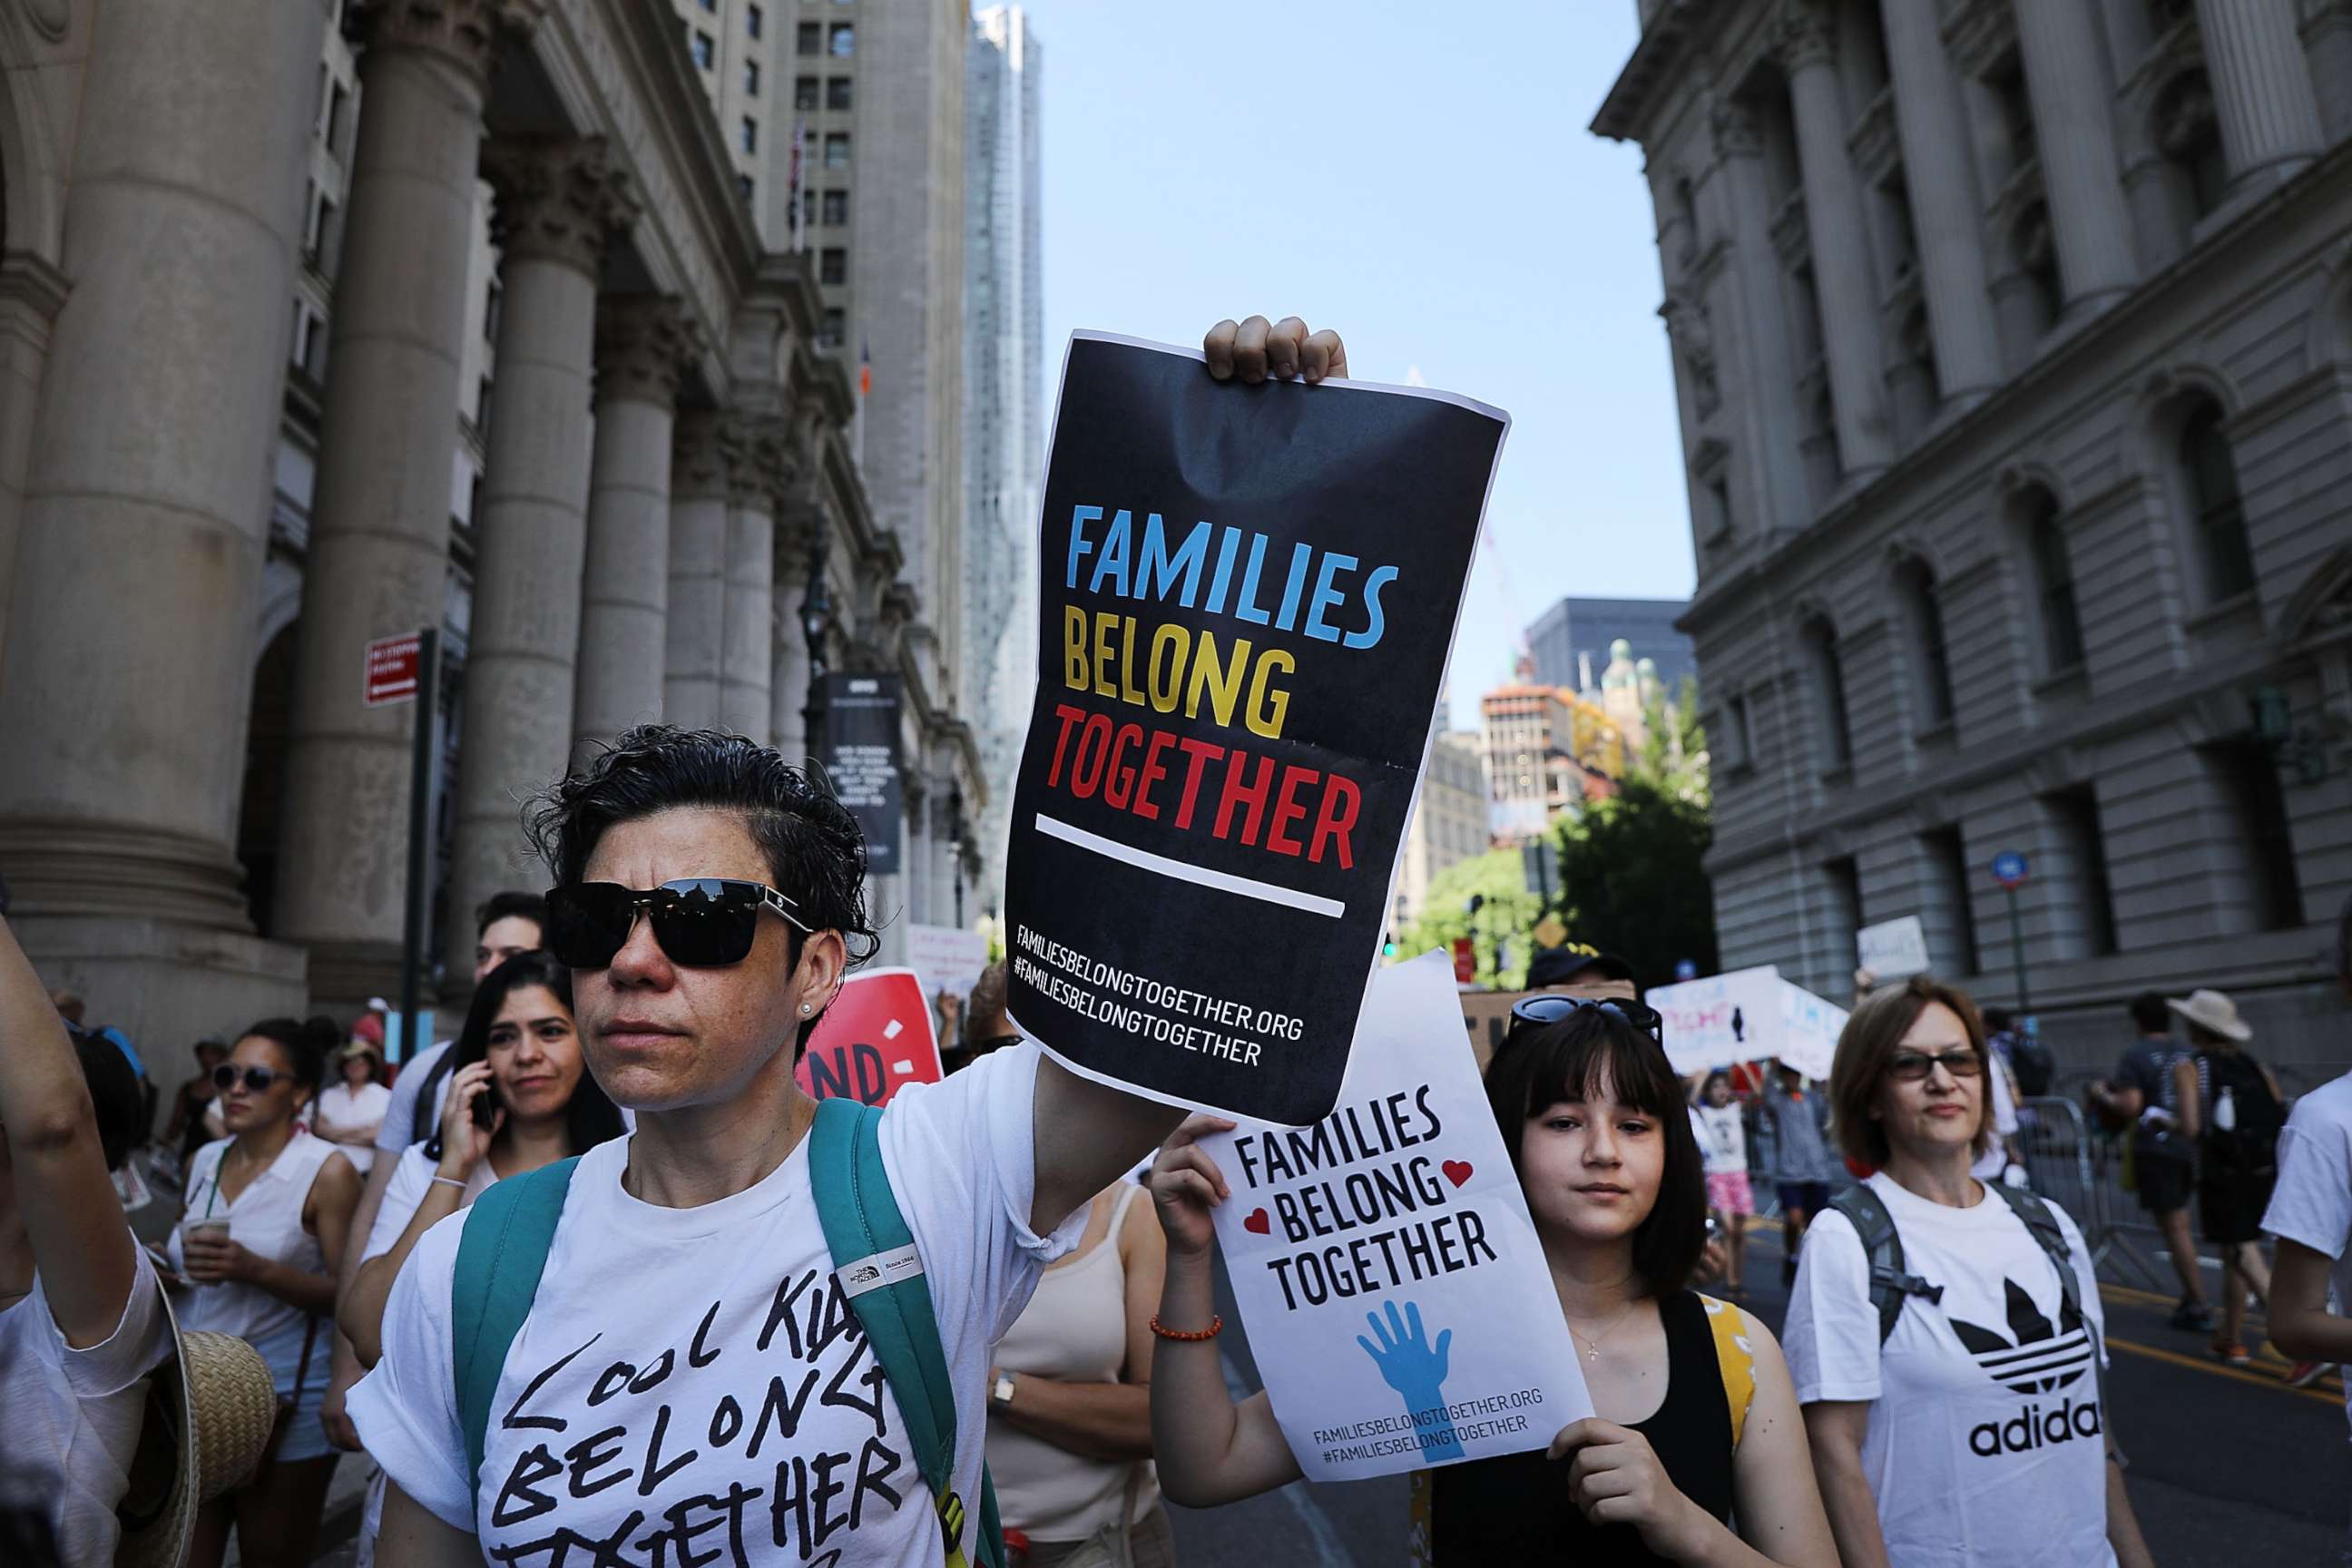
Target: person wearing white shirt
81 1318
350 1110
1974 1430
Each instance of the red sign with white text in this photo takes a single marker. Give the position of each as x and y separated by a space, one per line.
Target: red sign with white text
1465 962
874 1040
395 669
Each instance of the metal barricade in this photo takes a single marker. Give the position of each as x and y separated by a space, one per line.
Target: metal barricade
2080 1168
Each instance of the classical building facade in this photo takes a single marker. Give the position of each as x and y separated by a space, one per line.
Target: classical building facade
245 430
2013 349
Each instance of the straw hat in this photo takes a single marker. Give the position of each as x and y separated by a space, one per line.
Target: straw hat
2214 1012
209 1412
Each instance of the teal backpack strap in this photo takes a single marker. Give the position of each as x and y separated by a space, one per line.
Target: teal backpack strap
500 1255
1883 1247
875 1259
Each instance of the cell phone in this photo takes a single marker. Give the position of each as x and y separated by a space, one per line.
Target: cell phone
486 1108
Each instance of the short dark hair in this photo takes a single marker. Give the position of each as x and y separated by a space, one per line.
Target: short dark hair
2149 1014
305 1044
1997 1019
114 1097
815 853
1868 1042
590 1119
1544 1065
991 995
512 904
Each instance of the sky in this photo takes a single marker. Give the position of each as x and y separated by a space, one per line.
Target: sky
1420 178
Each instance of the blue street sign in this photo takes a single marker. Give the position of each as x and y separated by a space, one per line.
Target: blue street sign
1685 969
2009 868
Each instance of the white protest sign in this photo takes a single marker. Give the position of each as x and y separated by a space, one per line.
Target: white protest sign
1722 1019
1395 1290
1809 1029
947 958
1893 949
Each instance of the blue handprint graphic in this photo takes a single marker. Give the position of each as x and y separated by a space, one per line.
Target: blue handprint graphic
1415 1369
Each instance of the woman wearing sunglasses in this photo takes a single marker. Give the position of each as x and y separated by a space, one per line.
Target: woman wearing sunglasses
267 1211
1970 1427
520 1097
1697 1423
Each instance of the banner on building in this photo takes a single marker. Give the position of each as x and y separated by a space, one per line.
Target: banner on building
1395 1291
874 1040
1746 1016
1247 599
861 759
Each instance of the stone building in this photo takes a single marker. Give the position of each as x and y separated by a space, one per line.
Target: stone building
1448 825
239 431
2012 342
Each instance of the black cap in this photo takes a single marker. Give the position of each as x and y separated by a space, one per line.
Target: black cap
1566 965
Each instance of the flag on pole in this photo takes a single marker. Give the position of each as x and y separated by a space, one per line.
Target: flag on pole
796 220
865 368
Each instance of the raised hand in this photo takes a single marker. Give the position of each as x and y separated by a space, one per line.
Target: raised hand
1416 1369
1186 1184
1253 350
465 1143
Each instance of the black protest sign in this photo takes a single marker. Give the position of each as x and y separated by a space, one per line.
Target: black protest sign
1246 598
861 760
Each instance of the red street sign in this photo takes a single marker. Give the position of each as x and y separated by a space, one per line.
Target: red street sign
1465 962
395 669
874 1040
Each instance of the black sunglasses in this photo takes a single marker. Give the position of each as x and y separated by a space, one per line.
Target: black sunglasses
703 922
1551 1007
256 1080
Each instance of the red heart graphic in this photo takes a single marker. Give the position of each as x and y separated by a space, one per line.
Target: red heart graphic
1456 1171
1257 1224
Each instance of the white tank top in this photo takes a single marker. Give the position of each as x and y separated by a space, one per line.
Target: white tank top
1075 1330
266 1220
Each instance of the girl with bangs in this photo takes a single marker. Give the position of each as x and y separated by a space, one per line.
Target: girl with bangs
1697 1423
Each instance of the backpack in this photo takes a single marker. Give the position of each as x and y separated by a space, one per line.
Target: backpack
2251 1146
2031 1063
1889 1284
503 1252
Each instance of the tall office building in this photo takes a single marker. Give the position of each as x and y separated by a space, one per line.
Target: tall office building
1004 431
1571 640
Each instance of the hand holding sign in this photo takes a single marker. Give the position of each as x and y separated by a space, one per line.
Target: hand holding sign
1616 1477
1186 1184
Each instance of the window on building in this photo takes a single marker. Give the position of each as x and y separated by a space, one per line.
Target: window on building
745 187
835 329
804 94
1916 584
709 6
750 78
2074 815
2036 247
751 135
836 149
837 91
336 100
482 389
836 209
833 266
841 40
2163 15
311 221
493 299
1841 881
2264 851
1829 688
2188 130
1947 870
808 38
705 51
1739 736
2218 516
2053 584
754 21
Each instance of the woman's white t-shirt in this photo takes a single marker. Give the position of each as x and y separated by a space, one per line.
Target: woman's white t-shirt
266 1220
2312 1203
341 1106
74 1415
693 1381
1987 1442
404 1194
1725 1147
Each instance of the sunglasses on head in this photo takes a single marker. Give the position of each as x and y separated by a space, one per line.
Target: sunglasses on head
1534 1012
256 1080
703 922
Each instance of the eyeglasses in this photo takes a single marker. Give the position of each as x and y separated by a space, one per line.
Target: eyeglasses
1910 1067
256 1080
703 922
1534 1012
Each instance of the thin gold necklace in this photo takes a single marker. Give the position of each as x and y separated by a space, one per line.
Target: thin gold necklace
1592 1344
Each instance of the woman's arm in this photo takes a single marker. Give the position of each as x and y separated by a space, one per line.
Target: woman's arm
83 1252
2301 1323
1775 1499
464 1144
2123 1525
2184 1091
1834 1429
1209 1449
413 1538
1104 1420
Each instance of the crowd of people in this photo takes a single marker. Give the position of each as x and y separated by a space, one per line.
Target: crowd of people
595 1280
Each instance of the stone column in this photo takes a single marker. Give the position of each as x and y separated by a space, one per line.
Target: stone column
1834 222
2074 134
1766 403
2262 87
748 648
146 507
2327 41
695 632
31 293
379 552
789 664
1946 211
643 343
918 800
558 198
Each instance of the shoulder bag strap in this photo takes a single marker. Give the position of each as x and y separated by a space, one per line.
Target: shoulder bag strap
875 1260
1882 1245
501 1254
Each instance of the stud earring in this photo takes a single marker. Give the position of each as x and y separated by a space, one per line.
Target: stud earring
804 1007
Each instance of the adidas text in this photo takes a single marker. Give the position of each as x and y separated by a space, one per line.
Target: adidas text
2035 1426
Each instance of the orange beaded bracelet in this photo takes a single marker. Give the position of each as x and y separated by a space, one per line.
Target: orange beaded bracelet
1190 1336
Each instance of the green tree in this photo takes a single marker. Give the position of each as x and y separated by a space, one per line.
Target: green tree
1508 913
1632 874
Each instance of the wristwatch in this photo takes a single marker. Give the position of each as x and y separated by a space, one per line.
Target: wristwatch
1000 1393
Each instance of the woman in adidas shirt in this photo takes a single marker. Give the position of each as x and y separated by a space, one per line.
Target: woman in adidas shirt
1974 1432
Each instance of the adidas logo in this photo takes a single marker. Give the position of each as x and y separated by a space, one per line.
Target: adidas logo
2035 1426
2036 1357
